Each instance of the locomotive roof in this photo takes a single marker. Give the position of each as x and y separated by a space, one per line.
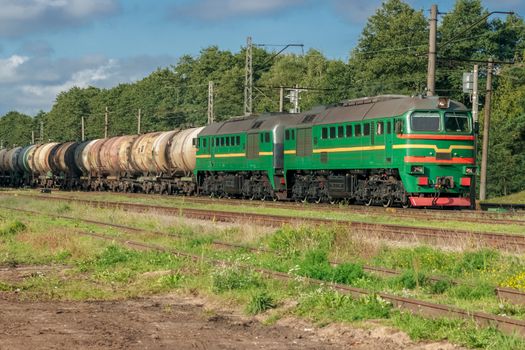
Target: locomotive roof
347 111
256 123
378 107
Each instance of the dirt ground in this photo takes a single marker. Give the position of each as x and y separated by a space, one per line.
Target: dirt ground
171 322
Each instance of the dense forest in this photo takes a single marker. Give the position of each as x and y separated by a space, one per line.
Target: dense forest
390 57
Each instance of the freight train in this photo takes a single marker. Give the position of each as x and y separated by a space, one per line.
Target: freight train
383 150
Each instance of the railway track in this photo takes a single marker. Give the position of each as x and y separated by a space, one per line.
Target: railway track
504 324
510 242
427 215
512 295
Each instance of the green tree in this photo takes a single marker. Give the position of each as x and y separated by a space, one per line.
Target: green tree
15 129
390 55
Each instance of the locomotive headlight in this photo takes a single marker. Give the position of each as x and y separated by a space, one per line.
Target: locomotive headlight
470 170
417 169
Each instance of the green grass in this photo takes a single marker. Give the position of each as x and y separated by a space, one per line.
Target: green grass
515 198
100 270
305 212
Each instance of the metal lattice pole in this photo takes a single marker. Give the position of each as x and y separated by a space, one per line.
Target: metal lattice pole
248 78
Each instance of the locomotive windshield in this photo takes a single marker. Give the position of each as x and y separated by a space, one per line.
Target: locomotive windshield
456 122
425 121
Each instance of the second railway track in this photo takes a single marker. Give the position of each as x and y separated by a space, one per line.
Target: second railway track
511 242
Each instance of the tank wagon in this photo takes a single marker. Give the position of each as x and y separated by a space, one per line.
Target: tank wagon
384 150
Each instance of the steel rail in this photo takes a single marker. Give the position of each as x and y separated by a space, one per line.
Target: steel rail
504 324
512 295
511 242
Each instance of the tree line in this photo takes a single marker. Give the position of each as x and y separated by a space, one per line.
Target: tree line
389 58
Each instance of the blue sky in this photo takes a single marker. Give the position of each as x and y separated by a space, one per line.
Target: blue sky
49 46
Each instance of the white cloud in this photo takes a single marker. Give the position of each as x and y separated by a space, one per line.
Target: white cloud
30 84
9 66
19 17
223 9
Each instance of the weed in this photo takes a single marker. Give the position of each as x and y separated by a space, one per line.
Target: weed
171 281
64 208
411 280
347 273
199 241
260 302
327 304
291 241
468 292
477 261
113 255
235 277
12 229
62 255
459 331
440 287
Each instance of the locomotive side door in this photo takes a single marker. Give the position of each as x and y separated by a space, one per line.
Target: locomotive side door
389 138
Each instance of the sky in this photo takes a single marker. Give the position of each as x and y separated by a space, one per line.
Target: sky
49 46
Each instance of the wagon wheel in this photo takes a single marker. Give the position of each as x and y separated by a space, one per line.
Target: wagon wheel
387 202
369 201
405 204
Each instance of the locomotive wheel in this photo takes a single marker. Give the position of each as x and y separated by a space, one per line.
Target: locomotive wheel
369 202
387 202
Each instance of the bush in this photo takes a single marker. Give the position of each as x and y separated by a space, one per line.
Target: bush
315 265
411 280
440 287
347 273
261 301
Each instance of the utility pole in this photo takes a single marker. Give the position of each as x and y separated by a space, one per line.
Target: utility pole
138 122
210 102
106 123
41 131
32 137
248 78
475 107
281 99
431 72
83 129
486 128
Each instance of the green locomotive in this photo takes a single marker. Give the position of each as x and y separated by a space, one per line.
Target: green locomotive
389 150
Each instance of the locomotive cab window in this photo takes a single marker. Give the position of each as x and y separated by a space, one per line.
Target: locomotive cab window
456 122
425 121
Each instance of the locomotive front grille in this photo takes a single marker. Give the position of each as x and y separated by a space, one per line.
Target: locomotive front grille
443 156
